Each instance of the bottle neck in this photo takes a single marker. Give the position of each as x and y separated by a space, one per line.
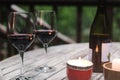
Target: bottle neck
101 2
103 20
101 9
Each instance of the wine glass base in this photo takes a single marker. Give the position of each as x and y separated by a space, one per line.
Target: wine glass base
45 69
20 78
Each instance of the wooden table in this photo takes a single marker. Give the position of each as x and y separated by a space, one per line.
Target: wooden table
57 56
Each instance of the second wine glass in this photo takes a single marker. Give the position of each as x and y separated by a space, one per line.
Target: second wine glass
45 30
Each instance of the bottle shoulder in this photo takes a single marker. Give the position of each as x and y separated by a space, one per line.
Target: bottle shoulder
100 23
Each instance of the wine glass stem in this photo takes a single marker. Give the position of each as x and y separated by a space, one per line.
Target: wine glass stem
22 61
45 45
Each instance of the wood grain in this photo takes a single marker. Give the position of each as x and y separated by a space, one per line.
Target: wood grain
57 57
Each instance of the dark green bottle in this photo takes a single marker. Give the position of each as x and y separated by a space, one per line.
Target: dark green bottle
99 39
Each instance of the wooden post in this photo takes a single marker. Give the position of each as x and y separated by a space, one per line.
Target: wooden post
110 18
79 23
56 10
10 49
31 8
9 46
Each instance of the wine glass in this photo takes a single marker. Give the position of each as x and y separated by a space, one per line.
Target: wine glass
45 30
20 34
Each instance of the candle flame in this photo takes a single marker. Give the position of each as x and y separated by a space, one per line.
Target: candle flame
96 48
79 58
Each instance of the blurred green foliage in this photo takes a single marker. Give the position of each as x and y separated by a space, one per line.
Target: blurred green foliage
116 24
66 19
87 19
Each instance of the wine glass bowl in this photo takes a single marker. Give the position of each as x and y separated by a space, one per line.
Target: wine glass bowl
46 36
21 41
20 34
45 31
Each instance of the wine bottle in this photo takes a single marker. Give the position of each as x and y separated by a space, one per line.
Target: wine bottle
99 39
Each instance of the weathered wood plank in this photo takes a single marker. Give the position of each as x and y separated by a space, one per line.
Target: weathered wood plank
57 57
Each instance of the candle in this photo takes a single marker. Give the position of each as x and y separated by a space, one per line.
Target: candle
116 64
80 62
79 69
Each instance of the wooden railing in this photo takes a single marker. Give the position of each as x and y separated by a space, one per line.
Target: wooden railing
7 6
60 36
10 51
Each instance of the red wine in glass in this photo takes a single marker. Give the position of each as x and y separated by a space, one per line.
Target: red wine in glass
21 41
45 36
